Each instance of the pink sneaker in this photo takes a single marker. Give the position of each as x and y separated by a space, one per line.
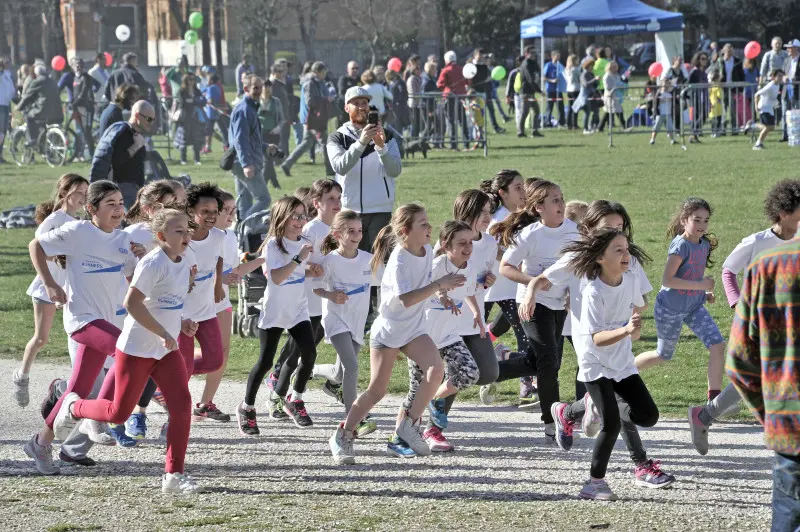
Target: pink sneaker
436 440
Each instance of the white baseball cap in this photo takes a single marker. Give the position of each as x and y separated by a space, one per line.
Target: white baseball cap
794 44
356 92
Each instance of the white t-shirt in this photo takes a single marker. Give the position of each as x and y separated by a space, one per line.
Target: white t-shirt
397 325
36 289
165 284
199 305
749 248
770 98
444 327
503 287
230 260
537 247
484 255
354 278
141 234
315 231
606 308
97 265
285 305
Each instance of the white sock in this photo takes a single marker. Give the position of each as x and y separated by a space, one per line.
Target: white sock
297 396
248 407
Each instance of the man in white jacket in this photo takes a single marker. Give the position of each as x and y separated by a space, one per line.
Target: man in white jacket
7 92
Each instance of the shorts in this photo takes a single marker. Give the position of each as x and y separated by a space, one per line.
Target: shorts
38 301
768 119
374 344
669 324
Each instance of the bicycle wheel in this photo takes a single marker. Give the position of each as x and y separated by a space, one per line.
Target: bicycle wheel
19 152
54 147
73 146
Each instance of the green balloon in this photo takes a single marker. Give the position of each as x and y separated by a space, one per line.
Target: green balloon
190 37
196 20
498 73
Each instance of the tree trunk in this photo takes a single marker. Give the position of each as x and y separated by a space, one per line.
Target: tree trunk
3 31
713 28
32 28
218 39
308 33
444 12
267 63
205 35
175 11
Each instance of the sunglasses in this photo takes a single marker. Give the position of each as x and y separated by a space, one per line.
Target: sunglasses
299 217
149 119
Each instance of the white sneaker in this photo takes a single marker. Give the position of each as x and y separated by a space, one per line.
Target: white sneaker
758 147
179 484
21 382
65 422
487 393
341 444
42 455
97 432
597 490
590 423
411 433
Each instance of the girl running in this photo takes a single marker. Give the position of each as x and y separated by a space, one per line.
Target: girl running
400 326
685 290
609 322
345 292
447 319
69 200
286 255
98 261
530 251
148 347
782 207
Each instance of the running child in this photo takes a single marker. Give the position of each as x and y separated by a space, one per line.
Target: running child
98 260
68 202
685 290
769 97
285 308
665 107
147 347
405 286
609 322
574 210
782 207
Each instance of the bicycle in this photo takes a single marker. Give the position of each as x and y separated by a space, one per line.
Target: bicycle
51 144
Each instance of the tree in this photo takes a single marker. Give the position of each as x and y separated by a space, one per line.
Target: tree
486 25
444 16
260 20
373 21
205 35
308 10
218 29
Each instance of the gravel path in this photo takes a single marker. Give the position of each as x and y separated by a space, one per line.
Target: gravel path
501 476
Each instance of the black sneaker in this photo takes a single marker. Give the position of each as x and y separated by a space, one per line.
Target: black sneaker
51 399
85 461
276 410
247 421
537 134
297 411
209 412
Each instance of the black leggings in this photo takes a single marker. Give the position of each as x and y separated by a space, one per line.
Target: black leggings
291 354
269 340
608 117
640 408
543 357
147 393
505 320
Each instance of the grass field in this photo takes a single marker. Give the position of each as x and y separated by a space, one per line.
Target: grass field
648 180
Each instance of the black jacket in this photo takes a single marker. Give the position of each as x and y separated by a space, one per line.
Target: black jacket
530 72
126 74
41 101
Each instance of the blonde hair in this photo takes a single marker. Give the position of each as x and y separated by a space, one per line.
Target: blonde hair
150 195
572 61
394 233
158 223
575 210
339 224
609 65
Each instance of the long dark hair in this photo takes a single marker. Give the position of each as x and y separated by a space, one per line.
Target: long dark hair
590 248
599 209
392 235
685 210
535 194
66 184
469 205
329 243
501 181
279 216
448 232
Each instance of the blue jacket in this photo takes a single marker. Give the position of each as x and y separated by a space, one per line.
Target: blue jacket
245 134
103 154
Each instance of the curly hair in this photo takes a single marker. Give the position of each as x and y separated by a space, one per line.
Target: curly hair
194 193
782 198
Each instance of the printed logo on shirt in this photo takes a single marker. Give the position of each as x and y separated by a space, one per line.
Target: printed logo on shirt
204 276
295 280
170 302
123 251
121 312
352 289
437 305
98 265
366 272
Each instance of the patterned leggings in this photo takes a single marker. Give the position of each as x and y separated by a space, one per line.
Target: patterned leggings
510 312
460 369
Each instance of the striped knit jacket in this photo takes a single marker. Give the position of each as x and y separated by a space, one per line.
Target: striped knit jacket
764 346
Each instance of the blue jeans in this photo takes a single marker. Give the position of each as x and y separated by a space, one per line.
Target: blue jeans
252 195
785 495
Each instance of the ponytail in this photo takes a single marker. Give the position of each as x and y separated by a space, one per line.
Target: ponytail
507 230
328 244
43 210
382 248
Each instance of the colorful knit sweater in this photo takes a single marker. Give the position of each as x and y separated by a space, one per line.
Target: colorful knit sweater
764 346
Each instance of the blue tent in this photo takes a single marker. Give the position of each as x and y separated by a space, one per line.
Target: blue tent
600 17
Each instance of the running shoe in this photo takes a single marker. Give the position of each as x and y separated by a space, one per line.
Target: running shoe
366 427
97 432
276 412
501 351
42 455
333 391
297 411
550 435
591 421
272 382
397 447
699 430
649 475
527 390
487 393
85 461
564 427
136 426
247 421
179 484
341 444
436 440
158 398
598 490
118 433
210 412
65 421
53 395
21 382
411 433
438 415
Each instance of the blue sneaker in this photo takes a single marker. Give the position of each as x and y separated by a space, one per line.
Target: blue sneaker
118 432
438 415
136 426
399 448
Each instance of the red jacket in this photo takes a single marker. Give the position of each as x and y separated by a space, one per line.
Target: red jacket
452 80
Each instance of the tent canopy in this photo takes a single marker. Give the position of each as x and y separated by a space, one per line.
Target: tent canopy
600 17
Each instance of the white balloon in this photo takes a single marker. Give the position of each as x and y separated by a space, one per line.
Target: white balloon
123 33
469 70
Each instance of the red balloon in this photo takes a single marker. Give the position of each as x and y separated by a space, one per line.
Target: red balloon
58 63
109 58
394 64
752 49
655 70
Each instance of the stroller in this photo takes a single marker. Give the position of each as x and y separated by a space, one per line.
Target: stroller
250 233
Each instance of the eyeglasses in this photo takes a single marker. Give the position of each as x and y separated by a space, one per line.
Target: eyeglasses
299 217
149 119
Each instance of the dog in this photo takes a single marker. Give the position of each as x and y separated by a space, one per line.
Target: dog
418 146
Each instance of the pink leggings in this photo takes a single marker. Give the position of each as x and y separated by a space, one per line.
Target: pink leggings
210 340
96 341
130 375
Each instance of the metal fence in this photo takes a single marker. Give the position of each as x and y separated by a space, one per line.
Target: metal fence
440 121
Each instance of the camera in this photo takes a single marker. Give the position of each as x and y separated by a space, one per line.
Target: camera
373 117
